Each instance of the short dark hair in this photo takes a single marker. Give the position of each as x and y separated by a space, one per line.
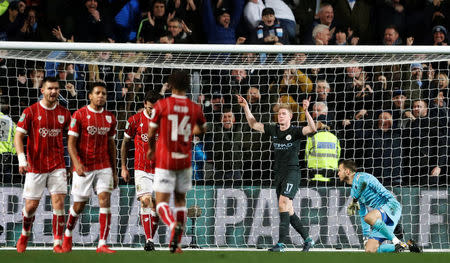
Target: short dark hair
96 84
49 79
152 96
392 26
227 109
267 11
349 164
179 80
14 5
159 2
176 19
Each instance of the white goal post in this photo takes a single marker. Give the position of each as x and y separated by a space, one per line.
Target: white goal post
232 204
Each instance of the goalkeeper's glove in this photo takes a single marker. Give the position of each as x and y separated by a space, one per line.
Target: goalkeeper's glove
353 207
365 239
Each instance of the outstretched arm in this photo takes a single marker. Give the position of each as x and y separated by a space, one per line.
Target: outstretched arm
249 116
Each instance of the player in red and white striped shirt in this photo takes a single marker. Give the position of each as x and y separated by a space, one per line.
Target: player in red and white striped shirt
44 122
174 119
144 169
93 152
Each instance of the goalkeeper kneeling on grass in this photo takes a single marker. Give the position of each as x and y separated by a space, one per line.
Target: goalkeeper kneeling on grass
379 224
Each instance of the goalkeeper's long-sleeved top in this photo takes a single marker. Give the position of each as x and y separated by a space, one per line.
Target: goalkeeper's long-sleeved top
370 193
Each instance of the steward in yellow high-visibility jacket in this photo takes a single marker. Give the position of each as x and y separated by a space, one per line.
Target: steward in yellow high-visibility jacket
322 154
7 130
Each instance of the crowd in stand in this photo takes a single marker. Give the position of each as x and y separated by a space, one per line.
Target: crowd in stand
333 22
394 120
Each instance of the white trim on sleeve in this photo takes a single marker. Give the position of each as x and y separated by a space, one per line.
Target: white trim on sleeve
153 125
22 130
126 135
73 133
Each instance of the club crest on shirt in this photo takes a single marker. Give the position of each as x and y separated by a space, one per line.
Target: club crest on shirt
39 118
61 119
108 119
73 122
288 137
88 117
22 117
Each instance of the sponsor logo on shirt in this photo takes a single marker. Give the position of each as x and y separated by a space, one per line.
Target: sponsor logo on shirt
44 132
92 130
282 146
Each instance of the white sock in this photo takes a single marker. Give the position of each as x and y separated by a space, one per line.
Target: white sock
101 242
395 241
57 242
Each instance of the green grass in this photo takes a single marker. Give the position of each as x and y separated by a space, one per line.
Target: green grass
198 256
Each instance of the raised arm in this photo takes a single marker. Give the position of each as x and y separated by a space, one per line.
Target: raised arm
249 116
311 128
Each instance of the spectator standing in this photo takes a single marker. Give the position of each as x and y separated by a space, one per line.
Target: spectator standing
221 28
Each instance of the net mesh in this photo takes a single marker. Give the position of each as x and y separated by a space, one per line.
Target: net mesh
389 112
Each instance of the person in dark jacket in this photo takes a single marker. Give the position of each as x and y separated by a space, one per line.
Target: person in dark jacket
269 31
383 151
154 25
222 30
423 148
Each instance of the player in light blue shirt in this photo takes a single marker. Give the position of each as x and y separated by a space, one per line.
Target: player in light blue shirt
378 225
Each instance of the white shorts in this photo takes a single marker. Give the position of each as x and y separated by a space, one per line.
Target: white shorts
143 182
168 181
35 183
99 180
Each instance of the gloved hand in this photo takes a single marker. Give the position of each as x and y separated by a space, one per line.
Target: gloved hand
365 239
352 208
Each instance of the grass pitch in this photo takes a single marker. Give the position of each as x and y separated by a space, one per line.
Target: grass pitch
199 256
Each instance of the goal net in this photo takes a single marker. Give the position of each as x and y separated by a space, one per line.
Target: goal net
388 106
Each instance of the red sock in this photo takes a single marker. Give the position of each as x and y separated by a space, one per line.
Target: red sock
165 213
27 223
105 222
155 220
72 220
180 214
146 223
58 224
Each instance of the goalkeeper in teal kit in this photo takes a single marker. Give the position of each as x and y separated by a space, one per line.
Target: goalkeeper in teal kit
378 225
